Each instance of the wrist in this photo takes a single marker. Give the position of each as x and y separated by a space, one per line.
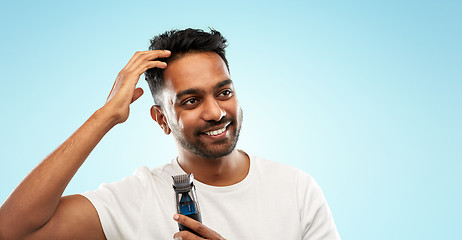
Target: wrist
105 118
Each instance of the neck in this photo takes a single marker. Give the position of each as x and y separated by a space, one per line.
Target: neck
224 171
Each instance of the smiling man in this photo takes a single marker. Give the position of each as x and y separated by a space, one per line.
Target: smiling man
241 196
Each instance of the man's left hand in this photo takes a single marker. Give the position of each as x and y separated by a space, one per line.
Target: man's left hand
196 226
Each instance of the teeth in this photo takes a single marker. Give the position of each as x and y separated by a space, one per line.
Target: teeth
216 132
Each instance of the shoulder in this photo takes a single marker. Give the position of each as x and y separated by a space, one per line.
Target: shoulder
285 177
161 175
141 179
301 191
280 170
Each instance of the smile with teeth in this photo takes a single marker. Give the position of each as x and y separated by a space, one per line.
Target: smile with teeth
216 132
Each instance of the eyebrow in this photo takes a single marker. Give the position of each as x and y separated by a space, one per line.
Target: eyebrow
192 91
223 83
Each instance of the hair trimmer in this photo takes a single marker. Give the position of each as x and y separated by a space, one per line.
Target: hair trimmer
186 199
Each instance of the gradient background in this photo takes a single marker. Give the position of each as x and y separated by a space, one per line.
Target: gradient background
363 95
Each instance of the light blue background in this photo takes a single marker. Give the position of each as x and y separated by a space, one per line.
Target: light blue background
363 95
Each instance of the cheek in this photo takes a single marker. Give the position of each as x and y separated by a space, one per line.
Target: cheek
174 121
233 107
188 119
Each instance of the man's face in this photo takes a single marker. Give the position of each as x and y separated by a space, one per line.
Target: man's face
200 105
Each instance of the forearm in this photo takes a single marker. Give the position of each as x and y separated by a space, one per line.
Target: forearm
36 198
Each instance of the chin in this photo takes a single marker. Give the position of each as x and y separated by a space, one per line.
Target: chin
214 152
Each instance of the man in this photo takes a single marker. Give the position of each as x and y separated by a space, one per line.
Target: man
241 196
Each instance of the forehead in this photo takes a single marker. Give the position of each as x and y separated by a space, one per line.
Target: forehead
201 70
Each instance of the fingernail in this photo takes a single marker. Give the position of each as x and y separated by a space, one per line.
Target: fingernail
176 217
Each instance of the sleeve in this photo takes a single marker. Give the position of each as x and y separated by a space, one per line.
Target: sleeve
118 204
316 218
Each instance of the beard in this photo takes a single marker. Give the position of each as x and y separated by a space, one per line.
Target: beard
218 149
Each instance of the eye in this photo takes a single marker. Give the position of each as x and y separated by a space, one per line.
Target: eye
226 94
190 101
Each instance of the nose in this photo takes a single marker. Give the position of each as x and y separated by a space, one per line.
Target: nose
212 111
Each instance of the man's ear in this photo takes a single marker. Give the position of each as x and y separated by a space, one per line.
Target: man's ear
158 115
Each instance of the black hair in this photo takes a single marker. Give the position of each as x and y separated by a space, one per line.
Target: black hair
179 43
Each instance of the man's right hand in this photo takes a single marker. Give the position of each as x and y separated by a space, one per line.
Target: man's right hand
124 90
36 208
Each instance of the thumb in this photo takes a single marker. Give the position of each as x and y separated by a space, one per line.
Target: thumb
137 94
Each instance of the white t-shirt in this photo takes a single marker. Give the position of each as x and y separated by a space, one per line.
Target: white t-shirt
274 201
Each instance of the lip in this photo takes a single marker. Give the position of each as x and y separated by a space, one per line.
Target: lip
226 125
217 137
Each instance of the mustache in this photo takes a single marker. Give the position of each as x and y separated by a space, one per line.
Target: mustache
212 123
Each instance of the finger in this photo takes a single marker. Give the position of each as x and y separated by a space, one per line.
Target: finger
154 54
142 56
186 235
142 65
137 94
153 64
135 57
136 73
151 54
140 69
196 226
